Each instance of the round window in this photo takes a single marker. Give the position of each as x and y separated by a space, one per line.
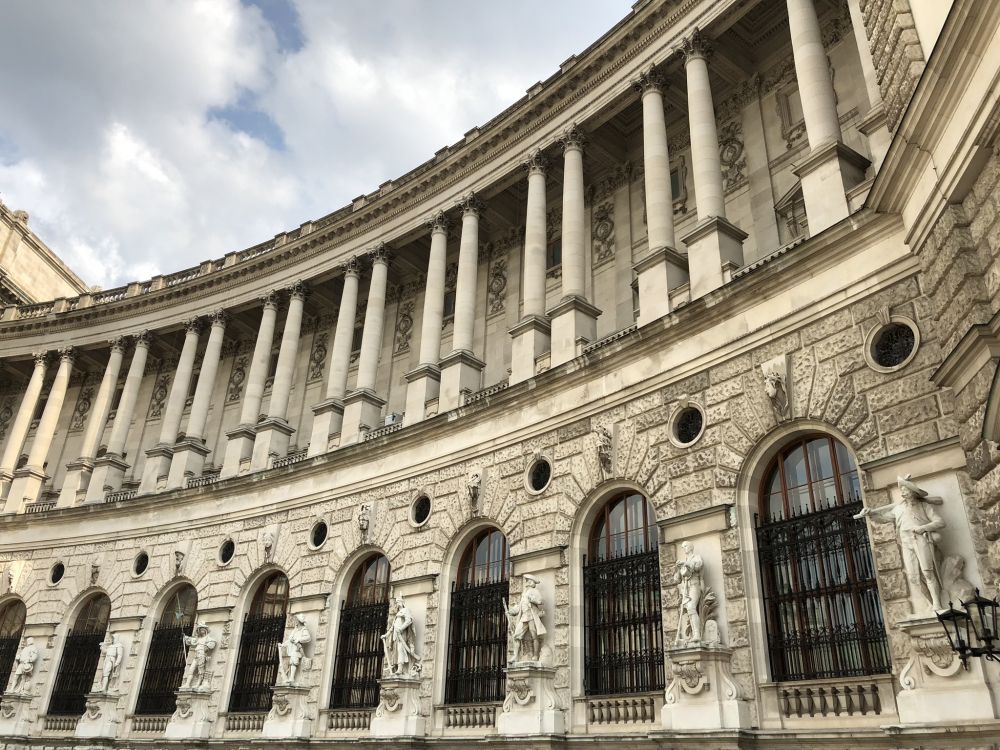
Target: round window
318 535
226 551
893 345
57 572
688 425
539 474
420 510
141 563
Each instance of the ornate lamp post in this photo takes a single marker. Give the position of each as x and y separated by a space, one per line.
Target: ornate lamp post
972 630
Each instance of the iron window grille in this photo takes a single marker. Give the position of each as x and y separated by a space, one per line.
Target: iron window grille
77 668
11 626
164 669
477 642
257 664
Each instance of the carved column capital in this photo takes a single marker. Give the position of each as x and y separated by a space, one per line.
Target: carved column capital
697 45
380 254
41 358
572 138
352 267
298 290
650 80
117 344
219 318
194 325
536 163
143 338
67 354
438 222
471 204
269 300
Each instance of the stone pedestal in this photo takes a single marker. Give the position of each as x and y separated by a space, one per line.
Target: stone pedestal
701 693
16 716
660 270
460 371
875 127
191 719
531 706
422 385
574 323
530 340
108 475
100 717
289 717
398 712
239 448
75 483
826 174
189 461
711 244
328 417
272 439
362 411
25 488
157 465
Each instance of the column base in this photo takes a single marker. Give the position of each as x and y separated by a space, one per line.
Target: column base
108 475
532 337
531 705
271 441
191 720
826 174
362 412
75 483
100 718
702 693
188 461
657 273
16 716
239 449
398 712
156 468
460 371
24 488
328 416
422 385
574 323
289 715
712 244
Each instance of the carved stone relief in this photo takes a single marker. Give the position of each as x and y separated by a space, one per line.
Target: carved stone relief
404 326
160 390
83 403
497 287
604 232
237 379
734 163
317 357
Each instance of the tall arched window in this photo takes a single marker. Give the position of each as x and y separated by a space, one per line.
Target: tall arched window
165 664
263 629
363 617
477 636
623 643
821 601
80 655
12 615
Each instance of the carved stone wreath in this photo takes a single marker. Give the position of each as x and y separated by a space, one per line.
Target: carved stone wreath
282 706
7 709
184 709
518 692
389 700
497 285
93 710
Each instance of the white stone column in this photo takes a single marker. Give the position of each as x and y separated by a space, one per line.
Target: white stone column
873 124
574 318
239 441
328 415
189 453
158 457
831 168
109 469
461 370
27 483
662 267
22 421
714 241
363 407
424 382
273 433
531 335
78 472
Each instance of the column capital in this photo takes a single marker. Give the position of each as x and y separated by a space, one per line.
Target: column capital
41 358
219 318
380 254
696 45
352 267
572 138
117 344
67 354
650 80
438 222
536 163
471 204
298 290
269 299
194 325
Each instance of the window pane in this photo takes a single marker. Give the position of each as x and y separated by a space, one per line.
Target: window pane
820 460
795 468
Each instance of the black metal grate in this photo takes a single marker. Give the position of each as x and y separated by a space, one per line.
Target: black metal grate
257 666
8 652
77 669
623 644
477 642
689 424
164 670
359 655
824 616
893 345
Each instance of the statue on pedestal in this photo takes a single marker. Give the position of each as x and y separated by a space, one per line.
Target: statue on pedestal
24 667
113 653
525 621
291 652
697 600
400 642
199 646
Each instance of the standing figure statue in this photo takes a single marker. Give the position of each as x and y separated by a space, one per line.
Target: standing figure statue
525 621
917 526
199 646
24 667
399 642
113 653
691 582
291 653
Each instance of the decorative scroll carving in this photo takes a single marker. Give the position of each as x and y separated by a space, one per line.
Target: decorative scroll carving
536 163
317 357
734 162
237 379
519 693
497 285
604 232
404 326
83 403
160 390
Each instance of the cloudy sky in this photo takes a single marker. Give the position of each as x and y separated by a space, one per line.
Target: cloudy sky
144 136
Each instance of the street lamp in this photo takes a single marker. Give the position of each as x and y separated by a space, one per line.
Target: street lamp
972 630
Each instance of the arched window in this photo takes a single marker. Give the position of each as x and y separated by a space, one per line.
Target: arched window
12 614
363 617
263 629
165 664
623 643
477 637
80 655
824 616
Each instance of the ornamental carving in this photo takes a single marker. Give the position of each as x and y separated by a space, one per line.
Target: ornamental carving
237 379
93 710
6 414
734 162
497 285
184 708
160 390
7 709
518 693
83 404
404 326
388 701
649 80
604 232
317 357
536 162
611 182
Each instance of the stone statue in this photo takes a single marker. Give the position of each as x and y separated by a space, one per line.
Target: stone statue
527 631
10 581
291 653
95 571
697 600
363 521
472 487
399 642
268 541
917 525
199 646
178 562
774 387
24 667
604 447
113 652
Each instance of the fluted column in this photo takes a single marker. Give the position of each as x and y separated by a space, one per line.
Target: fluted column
239 441
78 472
531 334
662 267
274 432
109 469
158 457
328 415
27 483
423 383
461 369
363 406
189 454
714 242
574 318
22 421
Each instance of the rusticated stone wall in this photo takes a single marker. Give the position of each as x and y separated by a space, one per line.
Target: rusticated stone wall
896 52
